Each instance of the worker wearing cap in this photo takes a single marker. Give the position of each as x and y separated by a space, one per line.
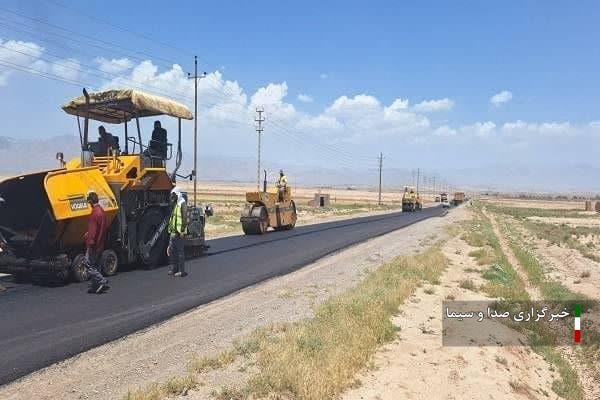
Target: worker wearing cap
94 243
281 184
177 227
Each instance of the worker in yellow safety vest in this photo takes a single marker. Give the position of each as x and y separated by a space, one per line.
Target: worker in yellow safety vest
281 184
177 228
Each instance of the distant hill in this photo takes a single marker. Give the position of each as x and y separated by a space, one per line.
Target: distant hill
19 156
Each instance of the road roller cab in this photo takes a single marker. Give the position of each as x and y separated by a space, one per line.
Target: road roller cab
267 209
44 215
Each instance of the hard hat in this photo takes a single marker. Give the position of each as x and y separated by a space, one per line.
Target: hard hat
281 171
177 192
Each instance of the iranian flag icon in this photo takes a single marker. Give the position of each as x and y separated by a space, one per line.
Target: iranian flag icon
577 326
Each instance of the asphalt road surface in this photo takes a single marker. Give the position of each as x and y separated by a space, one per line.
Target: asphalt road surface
42 325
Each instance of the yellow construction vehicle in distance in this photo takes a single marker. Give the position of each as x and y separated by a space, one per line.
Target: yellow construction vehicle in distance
266 209
411 201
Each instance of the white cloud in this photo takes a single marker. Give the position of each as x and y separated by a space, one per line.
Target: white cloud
399 104
479 129
305 98
321 122
434 105
357 120
323 76
114 66
69 69
345 105
28 56
18 53
531 129
444 130
500 98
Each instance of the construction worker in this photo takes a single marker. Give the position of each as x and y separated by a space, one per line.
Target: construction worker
158 143
94 243
106 141
177 227
281 185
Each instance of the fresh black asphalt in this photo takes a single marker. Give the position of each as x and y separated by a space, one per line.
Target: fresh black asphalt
42 325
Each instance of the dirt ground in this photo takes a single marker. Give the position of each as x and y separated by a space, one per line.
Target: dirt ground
542 204
165 350
576 272
592 221
417 366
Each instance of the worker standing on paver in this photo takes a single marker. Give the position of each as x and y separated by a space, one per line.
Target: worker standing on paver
281 185
94 242
177 227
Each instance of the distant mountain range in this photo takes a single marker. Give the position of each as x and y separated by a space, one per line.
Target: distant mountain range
19 156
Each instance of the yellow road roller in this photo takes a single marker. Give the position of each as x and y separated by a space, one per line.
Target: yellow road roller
44 215
269 208
411 200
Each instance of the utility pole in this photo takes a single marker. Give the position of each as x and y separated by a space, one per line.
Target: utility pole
418 173
259 129
195 78
380 167
434 187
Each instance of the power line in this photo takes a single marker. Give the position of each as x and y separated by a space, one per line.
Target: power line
332 152
215 89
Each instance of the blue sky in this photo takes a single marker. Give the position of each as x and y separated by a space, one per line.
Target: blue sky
544 53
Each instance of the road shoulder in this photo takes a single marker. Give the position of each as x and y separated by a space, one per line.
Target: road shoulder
165 350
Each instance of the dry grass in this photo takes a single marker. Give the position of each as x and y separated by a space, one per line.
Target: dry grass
467 284
328 350
522 212
429 290
504 282
205 364
501 360
483 255
585 274
173 387
567 235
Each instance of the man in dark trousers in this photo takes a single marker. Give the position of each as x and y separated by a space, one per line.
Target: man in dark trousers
94 243
177 227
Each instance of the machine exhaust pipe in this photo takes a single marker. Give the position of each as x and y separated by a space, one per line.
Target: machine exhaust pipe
265 181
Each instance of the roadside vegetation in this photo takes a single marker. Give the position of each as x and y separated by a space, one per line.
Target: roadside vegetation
504 283
526 212
173 387
567 235
328 350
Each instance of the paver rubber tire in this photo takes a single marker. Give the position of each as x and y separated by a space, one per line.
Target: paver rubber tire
109 262
78 269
